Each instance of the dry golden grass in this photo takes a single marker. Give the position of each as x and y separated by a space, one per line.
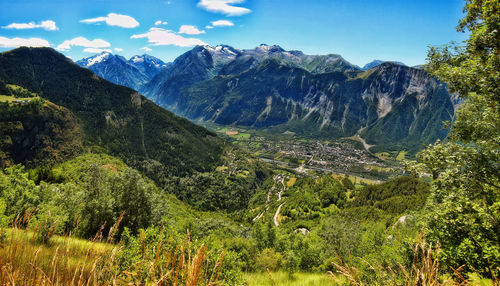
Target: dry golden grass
65 260
424 271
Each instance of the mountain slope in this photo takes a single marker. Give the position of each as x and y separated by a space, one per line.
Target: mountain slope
196 65
37 132
376 63
205 62
114 117
182 158
147 65
133 73
391 105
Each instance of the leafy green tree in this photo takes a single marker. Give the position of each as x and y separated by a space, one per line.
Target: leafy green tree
98 210
464 206
259 237
340 236
268 259
3 218
347 183
134 198
20 194
271 234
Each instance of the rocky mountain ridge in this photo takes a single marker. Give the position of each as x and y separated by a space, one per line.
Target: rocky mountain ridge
389 105
133 73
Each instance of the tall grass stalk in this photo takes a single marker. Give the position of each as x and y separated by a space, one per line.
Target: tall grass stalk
65 260
423 271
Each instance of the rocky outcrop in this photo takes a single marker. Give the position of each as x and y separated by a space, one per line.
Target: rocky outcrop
391 106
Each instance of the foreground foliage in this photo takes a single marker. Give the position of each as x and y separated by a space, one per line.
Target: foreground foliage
464 206
70 261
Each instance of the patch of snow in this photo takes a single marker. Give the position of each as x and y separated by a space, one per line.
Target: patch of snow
97 59
137 59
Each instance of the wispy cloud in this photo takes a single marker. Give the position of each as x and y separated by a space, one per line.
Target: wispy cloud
118 50
146 49
224 6
113 19
48 25
160 22
95 51
83 42
222 23
162 37
22 42
190 30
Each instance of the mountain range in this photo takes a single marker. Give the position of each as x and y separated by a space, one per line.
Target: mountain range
133 73
376 63
66 110
388 105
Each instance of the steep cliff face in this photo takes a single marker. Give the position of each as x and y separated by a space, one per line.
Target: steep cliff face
409 104
196 65
388 105
205 62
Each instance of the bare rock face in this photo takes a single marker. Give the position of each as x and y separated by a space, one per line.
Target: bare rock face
303 231
391 106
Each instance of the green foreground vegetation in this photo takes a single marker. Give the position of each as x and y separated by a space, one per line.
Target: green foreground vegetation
284 278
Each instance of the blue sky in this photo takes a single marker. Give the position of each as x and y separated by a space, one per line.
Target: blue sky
359 30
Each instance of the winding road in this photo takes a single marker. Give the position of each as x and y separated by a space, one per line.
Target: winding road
276 223
278 179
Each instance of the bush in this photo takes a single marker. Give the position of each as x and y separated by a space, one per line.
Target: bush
268 259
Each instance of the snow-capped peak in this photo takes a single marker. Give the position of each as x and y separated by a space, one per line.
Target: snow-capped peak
98 58
269 49
137 59
222 50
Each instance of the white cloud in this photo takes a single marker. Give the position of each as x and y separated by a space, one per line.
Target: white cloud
162 37
146 49
209 27
113 19
22 42
95 50
224 7
222 23
190 30
48 25
83 42
119 50
159 22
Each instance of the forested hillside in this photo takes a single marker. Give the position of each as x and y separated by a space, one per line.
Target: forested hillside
118 121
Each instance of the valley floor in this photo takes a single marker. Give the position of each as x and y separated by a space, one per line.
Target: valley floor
311 156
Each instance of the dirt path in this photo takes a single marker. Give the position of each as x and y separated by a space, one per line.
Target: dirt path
261 214
278 179
276 223
276 215
283 189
